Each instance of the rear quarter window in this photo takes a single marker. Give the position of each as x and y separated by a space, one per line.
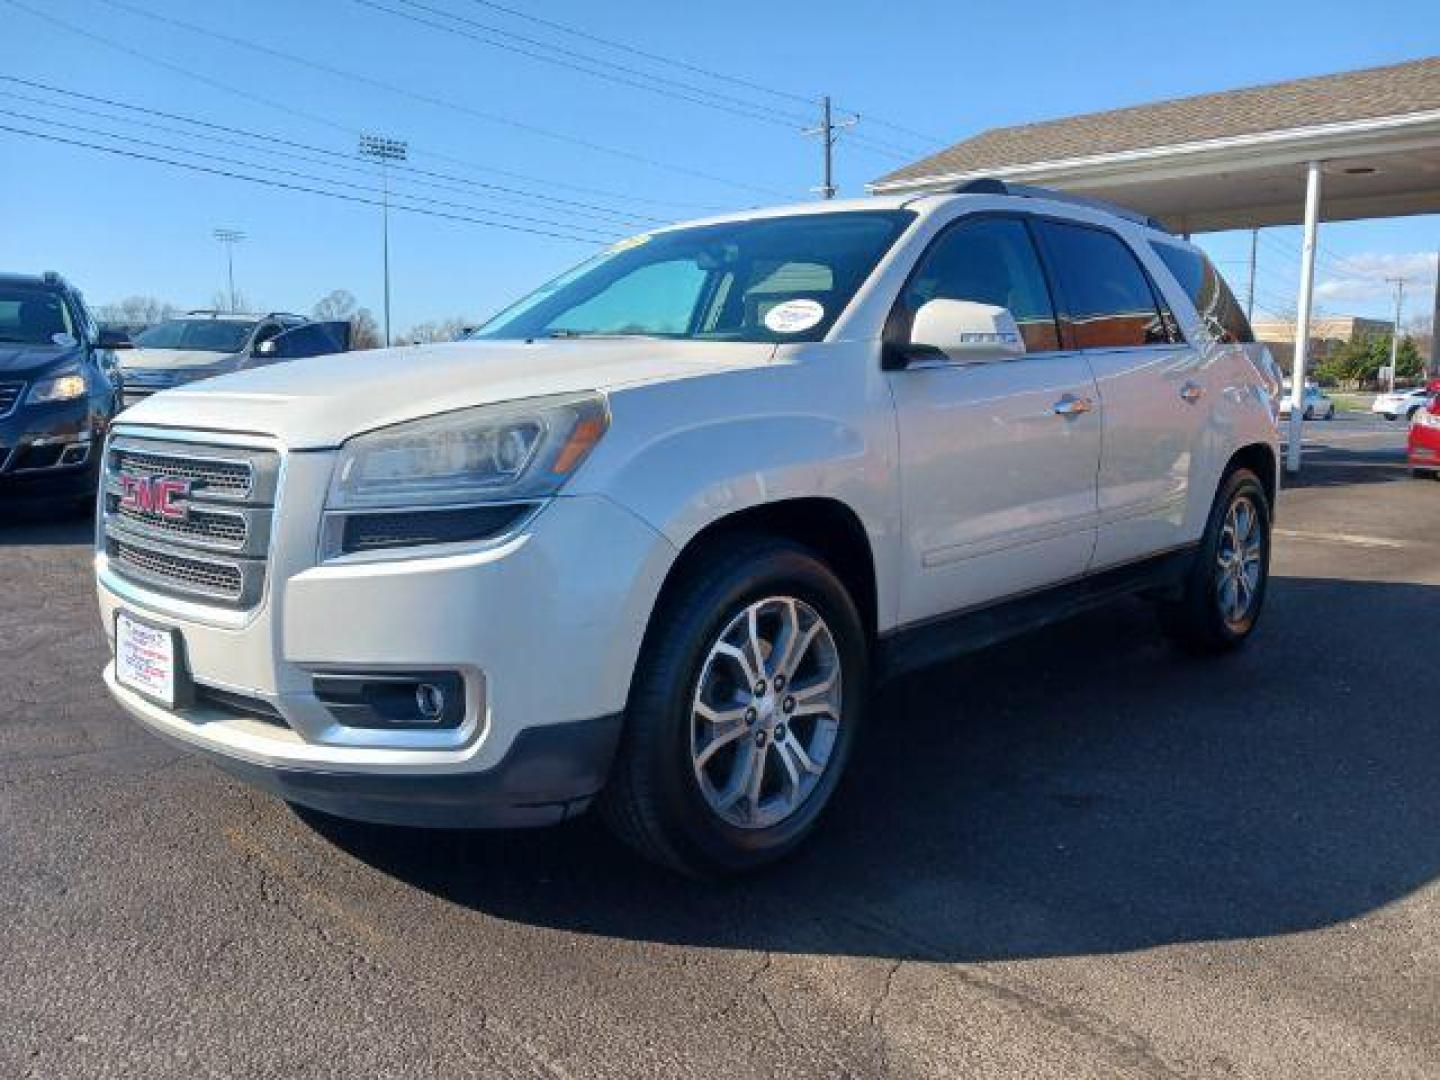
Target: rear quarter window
1207 290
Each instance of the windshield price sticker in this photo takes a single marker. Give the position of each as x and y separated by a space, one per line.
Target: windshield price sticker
794 316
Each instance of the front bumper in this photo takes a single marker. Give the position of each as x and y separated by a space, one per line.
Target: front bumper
544 629
51 452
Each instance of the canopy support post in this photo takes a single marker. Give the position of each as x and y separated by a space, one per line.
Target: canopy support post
1302 316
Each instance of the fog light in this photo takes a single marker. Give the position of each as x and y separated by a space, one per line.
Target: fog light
75 454
393 700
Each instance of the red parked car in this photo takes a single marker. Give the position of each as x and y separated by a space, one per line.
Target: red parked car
1424 449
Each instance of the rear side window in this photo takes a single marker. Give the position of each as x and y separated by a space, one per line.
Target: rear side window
1106 298
1209 293
989 261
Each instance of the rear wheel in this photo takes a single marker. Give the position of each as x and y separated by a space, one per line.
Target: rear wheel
1224 591
1309 412
746 703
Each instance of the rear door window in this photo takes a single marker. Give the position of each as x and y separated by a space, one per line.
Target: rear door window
1106 299
1214 301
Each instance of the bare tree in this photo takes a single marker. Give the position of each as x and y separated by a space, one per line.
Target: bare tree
136 312
340 306
223 301
442 330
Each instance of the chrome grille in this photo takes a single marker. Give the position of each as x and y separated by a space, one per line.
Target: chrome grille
223 581
215 477
210 528
10 397
217 548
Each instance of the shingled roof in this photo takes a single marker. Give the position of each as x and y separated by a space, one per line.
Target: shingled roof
1398 90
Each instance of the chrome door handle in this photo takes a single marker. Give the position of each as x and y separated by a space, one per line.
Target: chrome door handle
1070 405
1192 392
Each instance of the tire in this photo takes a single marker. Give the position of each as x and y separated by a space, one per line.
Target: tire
1199 621
1390 416
1309 412
1410 416
1331 414
662 799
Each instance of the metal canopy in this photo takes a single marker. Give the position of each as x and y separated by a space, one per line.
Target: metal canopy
1387 167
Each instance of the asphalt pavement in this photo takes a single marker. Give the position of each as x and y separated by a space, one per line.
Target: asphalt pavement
1078 854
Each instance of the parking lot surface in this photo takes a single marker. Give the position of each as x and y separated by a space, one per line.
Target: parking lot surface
1078 854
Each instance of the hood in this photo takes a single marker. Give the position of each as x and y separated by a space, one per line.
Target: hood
26 361
166 359
318 403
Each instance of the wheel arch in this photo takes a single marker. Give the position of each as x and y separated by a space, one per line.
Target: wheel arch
1261 459
827 526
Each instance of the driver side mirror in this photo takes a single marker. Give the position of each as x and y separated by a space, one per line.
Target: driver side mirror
266 348
964 332
113 339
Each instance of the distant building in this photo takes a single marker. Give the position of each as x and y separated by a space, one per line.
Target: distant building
1327 333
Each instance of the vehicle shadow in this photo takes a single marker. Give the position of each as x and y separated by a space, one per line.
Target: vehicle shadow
1082 790
20 526
1334 466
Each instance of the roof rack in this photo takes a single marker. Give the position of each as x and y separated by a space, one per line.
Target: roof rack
989 185
286 315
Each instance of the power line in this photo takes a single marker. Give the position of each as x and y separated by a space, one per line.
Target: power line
428 99
670 89
575 61
340 160
696 69
597 234
190 166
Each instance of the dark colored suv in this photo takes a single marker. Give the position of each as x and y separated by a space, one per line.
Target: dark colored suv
59 390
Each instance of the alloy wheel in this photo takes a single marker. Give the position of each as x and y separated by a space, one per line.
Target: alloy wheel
1239 561
766 712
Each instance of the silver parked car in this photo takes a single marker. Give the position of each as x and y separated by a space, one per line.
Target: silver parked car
203 344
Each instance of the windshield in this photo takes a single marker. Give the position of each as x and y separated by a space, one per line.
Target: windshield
201 335
767 279
32 316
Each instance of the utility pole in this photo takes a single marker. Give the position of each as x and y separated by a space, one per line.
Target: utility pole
380 149
1250 290
828 130
230 237
1435 327
1399 283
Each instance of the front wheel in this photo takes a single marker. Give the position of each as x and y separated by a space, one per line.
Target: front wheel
1310 413
1331 414
1225 588
750 690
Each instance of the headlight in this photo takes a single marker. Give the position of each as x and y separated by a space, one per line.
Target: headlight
60 388
516 451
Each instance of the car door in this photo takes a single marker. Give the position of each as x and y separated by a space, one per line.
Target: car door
1152 389
997 459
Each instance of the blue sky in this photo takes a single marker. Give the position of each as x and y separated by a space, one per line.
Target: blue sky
476 113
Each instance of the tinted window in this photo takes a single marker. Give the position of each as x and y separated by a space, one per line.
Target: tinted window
989 261
1107 299
714 282
202 335
314 339
33 316
1209 293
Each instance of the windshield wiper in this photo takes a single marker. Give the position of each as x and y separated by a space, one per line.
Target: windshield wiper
594 334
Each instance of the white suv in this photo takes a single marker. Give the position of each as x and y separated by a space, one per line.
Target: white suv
650 536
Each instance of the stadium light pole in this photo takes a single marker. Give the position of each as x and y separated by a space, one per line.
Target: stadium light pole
383 150
230 237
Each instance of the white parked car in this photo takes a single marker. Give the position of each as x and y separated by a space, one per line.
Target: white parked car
1401 403
1318 404
651 536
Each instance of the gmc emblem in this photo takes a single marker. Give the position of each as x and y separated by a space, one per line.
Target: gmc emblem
156 495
